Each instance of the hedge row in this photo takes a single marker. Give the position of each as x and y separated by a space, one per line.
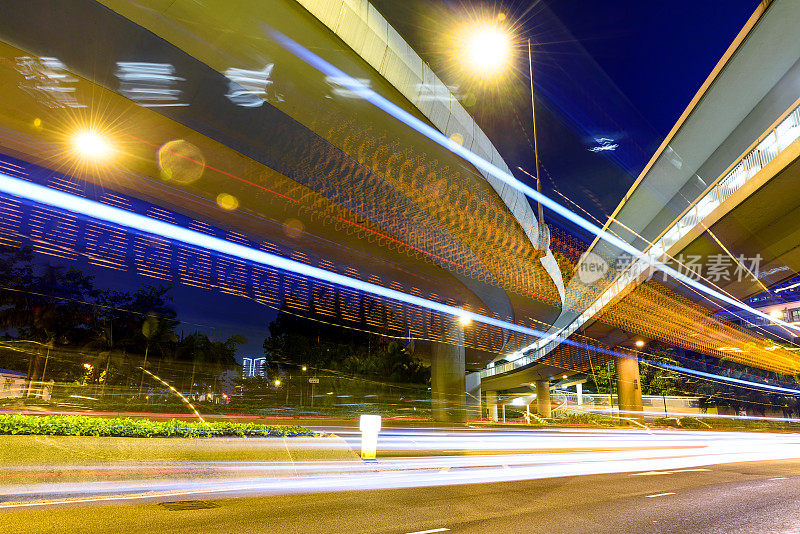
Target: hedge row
79 425
726 424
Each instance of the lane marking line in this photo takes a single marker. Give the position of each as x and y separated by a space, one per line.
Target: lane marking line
661 494
430 531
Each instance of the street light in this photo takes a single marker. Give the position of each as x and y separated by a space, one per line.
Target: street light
639 343
277 383
488 49
91 145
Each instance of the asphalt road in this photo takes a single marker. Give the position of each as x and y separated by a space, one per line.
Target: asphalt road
488 481
757 497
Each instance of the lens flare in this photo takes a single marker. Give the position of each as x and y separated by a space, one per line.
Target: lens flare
91 145
487 48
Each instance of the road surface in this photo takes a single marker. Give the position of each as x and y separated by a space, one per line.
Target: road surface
552 481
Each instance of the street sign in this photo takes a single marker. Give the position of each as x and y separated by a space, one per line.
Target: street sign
313 380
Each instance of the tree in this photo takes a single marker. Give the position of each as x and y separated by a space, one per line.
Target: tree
50 305
149 331
313 340
212 357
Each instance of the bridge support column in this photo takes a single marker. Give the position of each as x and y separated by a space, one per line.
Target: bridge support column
448 386
543 399
474 408
491 405
629 389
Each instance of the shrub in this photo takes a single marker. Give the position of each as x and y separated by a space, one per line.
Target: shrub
79 425
583 418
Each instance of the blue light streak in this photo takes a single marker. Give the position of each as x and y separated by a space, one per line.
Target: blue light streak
684 370
358 88
96 210
736 381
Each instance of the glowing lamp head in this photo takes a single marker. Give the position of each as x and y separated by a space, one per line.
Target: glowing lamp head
487 48
639 343
305 368
91 145
277 382
776 314
464 320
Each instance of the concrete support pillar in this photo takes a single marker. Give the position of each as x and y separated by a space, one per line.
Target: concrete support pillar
629 390
491 405
448 386
579 391
543 399
473 383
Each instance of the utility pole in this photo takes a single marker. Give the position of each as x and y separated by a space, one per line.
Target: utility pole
535 143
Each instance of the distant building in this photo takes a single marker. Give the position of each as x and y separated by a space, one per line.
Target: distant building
12 384
253 367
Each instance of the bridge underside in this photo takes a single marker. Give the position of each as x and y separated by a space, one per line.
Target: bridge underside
760 219
763 221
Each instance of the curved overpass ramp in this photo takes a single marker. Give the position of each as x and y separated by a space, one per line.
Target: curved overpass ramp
719 186
314 170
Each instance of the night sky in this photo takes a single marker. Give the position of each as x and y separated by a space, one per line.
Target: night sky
618 71
657 53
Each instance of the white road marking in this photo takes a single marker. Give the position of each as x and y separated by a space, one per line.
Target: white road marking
661 494
429 531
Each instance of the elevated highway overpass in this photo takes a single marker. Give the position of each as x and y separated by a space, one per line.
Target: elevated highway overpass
721 185
211 118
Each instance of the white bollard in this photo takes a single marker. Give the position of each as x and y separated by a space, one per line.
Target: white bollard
369 425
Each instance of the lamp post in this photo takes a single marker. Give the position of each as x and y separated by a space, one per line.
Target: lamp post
303 384
488 51
540 211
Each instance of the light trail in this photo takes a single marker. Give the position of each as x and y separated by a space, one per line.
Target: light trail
382 103
680 415
632 452
722 378
96 210
179 394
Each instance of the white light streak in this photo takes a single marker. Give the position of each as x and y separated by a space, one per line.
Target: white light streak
363 91
104 212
